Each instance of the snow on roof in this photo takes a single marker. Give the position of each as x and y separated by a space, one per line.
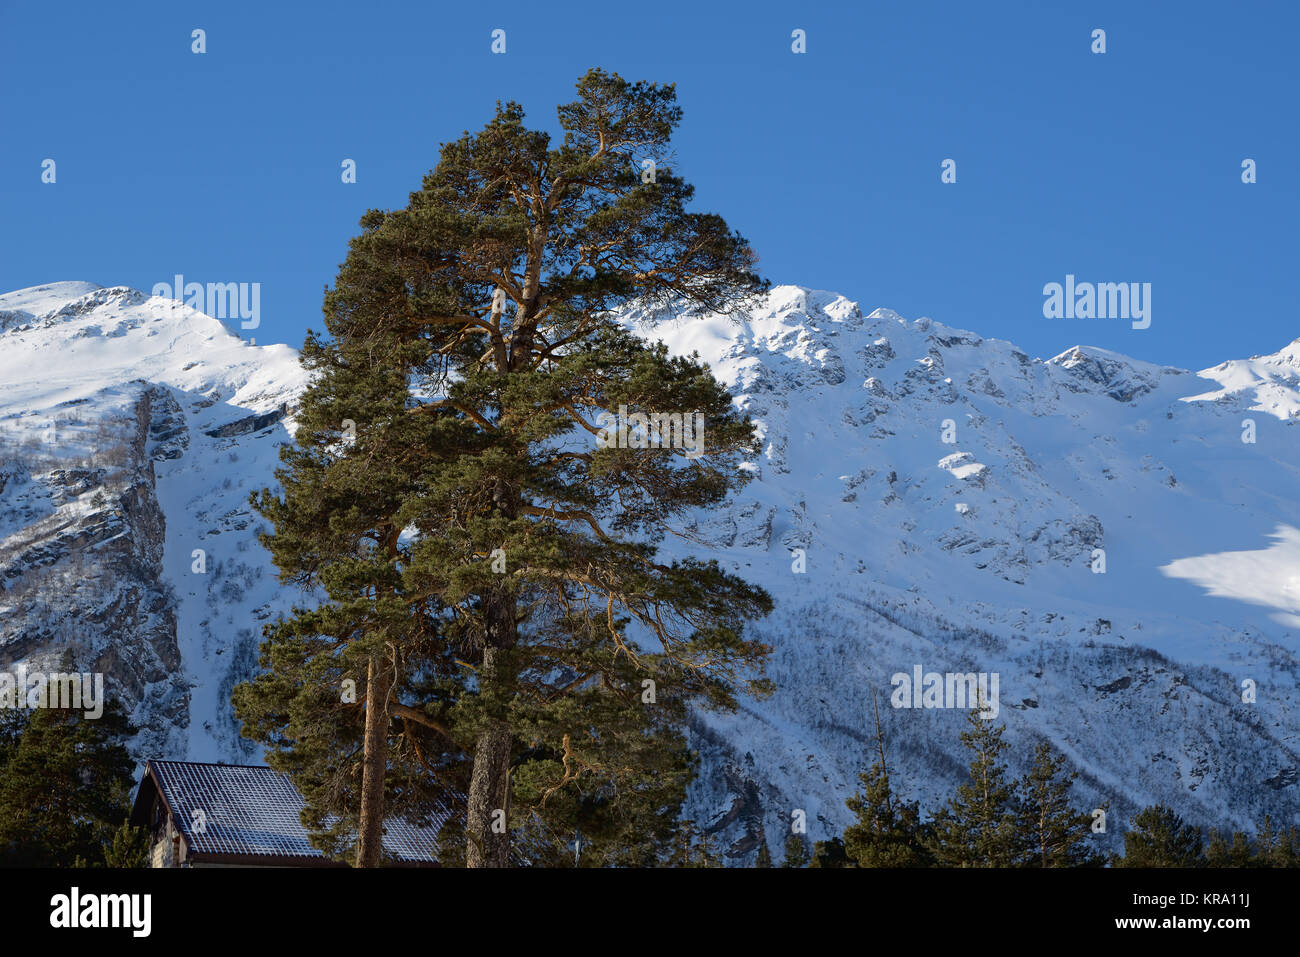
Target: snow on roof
226 810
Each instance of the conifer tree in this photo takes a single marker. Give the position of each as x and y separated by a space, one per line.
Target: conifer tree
888 832
65 786
796 850
129 847
764 856
1239 853
309 708
478 524
692 847
1160 838
978 827
1054 833
1275 848
1287 852
830 853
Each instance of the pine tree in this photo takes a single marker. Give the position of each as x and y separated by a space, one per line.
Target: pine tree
485 536
1287 852
888 832
65 786
764 856
1054 833
830 853
1275 848
129 847
796 851
1160 838
618 777
692 847
309 707
1241 853
1221 853
337 699
978 827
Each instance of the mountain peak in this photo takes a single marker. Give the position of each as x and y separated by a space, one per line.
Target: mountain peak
86 338
40 297
22 306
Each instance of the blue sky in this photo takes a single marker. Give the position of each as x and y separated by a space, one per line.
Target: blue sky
1124 166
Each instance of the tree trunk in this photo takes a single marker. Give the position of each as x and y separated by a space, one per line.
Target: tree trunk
487 837
488 843
370 835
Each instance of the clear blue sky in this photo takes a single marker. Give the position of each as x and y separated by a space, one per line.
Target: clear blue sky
1117 167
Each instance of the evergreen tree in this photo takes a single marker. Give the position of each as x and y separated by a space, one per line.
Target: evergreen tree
461 396
1055 834
1160 838
338 704
65 786
129 847
830 853
888 832
1287 852
1276 848
978 827
796 851
692 847
309 707
1221 853
618 777
1241 853
764 856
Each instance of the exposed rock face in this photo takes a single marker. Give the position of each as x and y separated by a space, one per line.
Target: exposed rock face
86 576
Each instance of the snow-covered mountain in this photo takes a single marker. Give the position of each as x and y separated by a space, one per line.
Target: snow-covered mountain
132 430
1119 542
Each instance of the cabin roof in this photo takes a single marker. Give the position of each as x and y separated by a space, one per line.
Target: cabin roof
251 814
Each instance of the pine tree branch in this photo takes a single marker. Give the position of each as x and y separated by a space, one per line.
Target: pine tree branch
459 407
407 713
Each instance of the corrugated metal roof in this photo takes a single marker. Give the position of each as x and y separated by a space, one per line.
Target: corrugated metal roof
253 811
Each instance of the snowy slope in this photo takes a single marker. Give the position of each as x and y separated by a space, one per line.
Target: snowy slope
949 494
977 555
166 421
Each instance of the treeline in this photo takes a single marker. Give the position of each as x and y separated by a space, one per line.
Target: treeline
66 784
993 820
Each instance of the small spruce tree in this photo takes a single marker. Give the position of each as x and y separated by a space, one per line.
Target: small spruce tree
796 851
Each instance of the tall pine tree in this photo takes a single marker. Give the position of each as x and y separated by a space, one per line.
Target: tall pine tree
888 832
480 527
1054 833
978 827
